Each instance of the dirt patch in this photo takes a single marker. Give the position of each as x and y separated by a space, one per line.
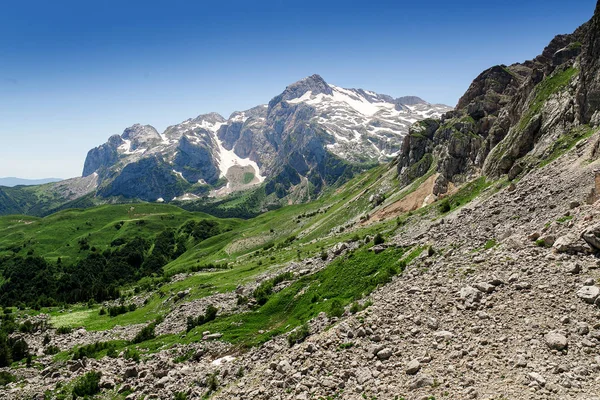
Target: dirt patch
423 195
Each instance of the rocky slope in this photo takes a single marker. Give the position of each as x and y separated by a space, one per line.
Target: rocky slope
512 117
503 300
504 305
312 132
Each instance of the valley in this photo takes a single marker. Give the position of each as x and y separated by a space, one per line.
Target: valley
331 244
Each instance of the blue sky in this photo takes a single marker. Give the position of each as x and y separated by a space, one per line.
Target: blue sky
72 73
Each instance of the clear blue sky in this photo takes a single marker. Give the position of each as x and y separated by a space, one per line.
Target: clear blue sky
72 73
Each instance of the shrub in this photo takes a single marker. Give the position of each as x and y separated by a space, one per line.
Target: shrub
180 396
51 350
122 309
92 350
378 239
26 327
336 309
444 206
209 315
241 300
356 307
298 335
212 382
6 378
263 291
20 350
131 354
87 385
64 330
147 333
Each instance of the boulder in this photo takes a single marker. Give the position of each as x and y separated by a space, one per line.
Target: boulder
413 367
384 354
569 243
592 236
589 294
421 381
556 340
470 296
130 372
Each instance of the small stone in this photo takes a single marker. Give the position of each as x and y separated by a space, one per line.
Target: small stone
556 340
572 268
421 381
384 354
443 335
589 294
413 367
485 287
131 372
537 378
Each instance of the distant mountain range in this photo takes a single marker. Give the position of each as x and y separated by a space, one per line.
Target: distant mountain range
311 136
12 181
306 138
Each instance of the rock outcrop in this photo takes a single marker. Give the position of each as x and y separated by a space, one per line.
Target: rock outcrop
510 118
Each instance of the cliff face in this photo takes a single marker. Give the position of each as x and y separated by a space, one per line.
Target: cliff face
511 117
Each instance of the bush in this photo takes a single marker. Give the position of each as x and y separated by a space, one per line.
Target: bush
20 350
336 309
147 333
357 307
131 354
378 239
64 330
122 309
263 291
51 350
444 206
87 385
92 350
298 335
209 315
6 378
180 396
212 382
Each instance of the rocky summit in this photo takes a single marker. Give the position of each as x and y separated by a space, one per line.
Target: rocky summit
466 267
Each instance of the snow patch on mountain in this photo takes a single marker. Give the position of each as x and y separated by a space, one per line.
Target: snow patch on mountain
364 124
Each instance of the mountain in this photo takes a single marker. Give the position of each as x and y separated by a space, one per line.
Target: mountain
511 119
12 181
311 135
478 280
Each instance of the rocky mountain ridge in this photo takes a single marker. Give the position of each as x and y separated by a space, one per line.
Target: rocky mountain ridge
312 132
511 118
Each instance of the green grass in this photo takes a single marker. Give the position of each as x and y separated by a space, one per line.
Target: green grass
465 194
57 235
565 143
248 177
250 248
564 218
544 90
345 280
490 244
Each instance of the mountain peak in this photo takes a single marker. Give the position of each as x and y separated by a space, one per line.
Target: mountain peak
410 100
314 83
211 117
